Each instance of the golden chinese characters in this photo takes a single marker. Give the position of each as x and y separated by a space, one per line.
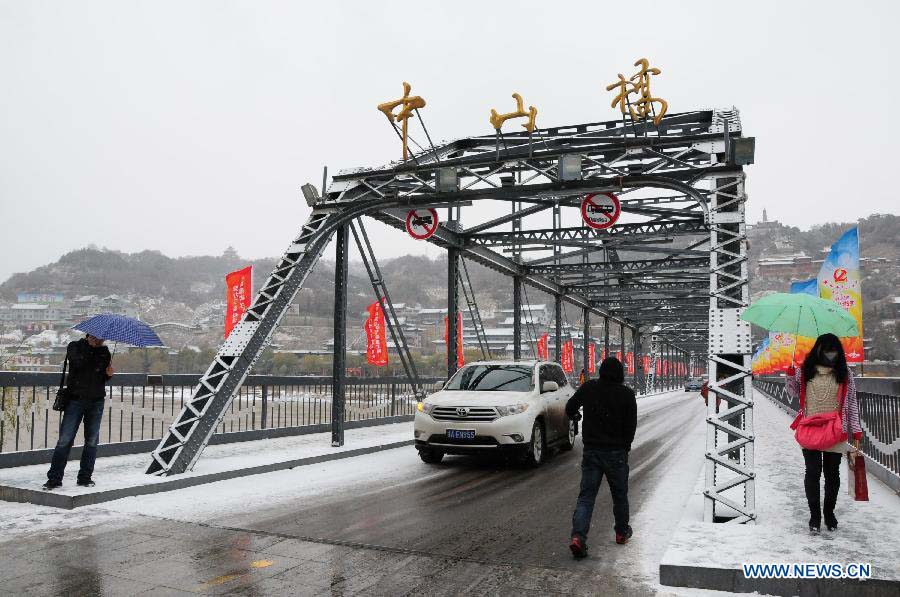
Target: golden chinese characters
408 103
497 120
639 84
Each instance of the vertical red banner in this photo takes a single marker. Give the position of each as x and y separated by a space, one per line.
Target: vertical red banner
543 349
238 286
568 356
460 357
376 336
591 358
629 362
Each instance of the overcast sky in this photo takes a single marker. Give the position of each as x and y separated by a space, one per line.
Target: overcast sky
190 126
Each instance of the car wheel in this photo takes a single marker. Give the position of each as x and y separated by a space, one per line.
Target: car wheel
569 441
431 456
537 447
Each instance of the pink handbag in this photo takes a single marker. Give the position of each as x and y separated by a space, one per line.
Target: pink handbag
819 432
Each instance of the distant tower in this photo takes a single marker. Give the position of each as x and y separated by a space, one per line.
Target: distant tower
765 217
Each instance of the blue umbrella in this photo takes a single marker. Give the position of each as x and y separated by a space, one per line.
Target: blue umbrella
119 328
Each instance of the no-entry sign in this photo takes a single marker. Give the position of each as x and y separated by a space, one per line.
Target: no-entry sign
600 210
421 223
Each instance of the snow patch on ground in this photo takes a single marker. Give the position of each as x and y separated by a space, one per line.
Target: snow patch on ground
116 472
868 531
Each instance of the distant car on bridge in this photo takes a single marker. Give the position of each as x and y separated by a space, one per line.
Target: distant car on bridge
514 407
693 384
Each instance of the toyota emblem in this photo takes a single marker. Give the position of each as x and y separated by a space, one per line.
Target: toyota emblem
463 412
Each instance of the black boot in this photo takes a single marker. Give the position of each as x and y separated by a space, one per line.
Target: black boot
831 522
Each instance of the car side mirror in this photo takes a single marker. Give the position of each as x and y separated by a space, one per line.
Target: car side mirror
549 386
439 385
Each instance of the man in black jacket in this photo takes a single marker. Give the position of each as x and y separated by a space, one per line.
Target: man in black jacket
610 420
89 369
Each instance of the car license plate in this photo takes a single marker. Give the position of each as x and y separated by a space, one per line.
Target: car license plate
460 434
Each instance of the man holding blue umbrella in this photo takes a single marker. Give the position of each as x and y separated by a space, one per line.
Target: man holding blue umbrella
89 368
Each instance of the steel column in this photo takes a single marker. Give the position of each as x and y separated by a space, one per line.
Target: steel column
557 305
730 438
606 338
339 362
517 317
636 359
586 331
452 308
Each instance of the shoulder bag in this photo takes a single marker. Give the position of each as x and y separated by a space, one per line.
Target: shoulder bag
62 394
821 431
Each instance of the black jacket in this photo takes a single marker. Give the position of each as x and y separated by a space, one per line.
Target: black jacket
86 379
610 414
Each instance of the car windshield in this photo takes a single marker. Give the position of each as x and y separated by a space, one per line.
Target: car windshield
493 378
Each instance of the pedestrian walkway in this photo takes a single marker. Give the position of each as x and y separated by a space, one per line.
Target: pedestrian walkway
710 555
124 476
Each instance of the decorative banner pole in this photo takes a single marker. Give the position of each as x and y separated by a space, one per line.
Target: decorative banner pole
409 104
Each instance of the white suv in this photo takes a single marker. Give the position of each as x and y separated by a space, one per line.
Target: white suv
491 406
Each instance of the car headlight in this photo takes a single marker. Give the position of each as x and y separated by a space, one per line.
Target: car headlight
425 407
515 409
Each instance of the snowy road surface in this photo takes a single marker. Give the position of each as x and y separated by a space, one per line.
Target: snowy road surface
387 523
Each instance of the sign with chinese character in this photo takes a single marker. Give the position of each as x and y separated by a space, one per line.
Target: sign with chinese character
238 286
568 356
376 339
421 223
592 359
600 210
542 349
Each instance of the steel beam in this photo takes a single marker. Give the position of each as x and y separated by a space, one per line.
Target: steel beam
517 318
339 362
452 309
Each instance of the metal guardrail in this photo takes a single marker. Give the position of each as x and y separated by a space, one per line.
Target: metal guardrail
141 407
879 415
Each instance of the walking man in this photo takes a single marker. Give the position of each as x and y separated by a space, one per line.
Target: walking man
610 420
89 369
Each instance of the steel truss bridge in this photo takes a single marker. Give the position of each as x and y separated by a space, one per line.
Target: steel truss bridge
673 268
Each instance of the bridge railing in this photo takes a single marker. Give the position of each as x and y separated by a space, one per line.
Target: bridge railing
879 416
141 407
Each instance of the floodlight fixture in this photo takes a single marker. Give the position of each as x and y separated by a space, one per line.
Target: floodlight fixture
446 180
310 194
570 167
742 150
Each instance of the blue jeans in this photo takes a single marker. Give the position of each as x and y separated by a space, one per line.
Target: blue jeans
596 462
76 410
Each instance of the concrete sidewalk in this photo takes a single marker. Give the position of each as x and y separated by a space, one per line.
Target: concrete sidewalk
710 556
124 476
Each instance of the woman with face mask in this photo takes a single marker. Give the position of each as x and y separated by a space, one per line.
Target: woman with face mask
824 384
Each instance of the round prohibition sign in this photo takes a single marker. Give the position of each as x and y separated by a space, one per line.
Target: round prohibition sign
421 223
600 210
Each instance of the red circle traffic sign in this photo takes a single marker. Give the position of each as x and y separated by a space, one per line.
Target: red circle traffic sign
600 210
421 223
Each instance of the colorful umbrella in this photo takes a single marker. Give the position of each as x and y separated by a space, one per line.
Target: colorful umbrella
801 314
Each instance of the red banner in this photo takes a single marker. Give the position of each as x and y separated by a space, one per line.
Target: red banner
460 358
629 363
376 336
238 287
592 358
568 356
542 348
